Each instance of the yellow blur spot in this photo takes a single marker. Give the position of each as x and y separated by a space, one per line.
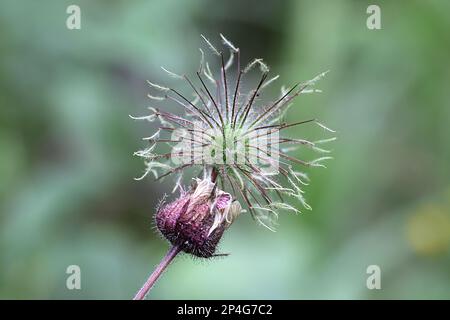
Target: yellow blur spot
428 230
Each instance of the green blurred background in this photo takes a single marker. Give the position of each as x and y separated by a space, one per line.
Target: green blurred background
67 194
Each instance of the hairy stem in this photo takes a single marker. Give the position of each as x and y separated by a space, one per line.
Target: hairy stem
171 254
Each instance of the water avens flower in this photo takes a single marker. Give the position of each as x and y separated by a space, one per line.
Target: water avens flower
196 220
237 142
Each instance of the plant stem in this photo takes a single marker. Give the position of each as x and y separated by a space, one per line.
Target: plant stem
171 254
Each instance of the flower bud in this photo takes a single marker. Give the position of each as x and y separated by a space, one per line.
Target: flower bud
197 219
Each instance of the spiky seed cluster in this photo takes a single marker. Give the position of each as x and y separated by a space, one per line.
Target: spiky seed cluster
226 122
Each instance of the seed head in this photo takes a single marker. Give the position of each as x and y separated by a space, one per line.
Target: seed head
236 139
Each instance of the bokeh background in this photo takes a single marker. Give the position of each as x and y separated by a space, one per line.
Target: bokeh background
67 194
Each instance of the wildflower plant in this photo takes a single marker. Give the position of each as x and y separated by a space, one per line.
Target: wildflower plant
237 143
